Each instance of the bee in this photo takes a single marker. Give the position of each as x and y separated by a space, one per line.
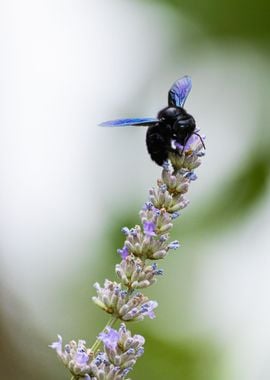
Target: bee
173 125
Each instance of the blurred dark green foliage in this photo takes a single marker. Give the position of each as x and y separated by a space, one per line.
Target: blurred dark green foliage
189 360
235 198
227 19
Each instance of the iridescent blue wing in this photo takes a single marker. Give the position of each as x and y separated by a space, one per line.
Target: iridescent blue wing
179 92
129 122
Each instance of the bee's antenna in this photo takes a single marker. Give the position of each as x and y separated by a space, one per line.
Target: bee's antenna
200 137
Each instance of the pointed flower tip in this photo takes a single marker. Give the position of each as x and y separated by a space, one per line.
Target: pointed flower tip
175 215
163 188
166 166
57 346
125 230
174 245
148 309
191 176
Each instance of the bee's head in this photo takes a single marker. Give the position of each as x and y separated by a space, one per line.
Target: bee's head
170 114
184 125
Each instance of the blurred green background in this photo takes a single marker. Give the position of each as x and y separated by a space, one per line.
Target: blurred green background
68 187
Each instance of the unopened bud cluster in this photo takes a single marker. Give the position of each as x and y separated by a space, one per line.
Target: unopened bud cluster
144 244
134 274
122 304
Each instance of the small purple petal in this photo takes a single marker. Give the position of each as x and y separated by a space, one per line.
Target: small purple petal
125 231
175 215
81 357
123 252
157 211
163 188
174 244
110 338
166 166
126 371
163 238
200 154
147 309
133 232
149 228
57 346
140 352
188 145
148 206
191 176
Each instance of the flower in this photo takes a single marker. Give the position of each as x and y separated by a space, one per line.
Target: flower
149 228
147 309
123 252
121 304
75 357
174 245
193 144
57 346
134 273
109 338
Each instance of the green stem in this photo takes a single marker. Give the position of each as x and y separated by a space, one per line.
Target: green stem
110 323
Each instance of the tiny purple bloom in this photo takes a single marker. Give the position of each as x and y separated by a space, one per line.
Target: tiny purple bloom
200 154
175 215
81 357
163 238
148 309
191 176
123 252
148 206
57 346
191 143
133 232
110 338
157 211
125 231
166 166
174 244
149 228
163 188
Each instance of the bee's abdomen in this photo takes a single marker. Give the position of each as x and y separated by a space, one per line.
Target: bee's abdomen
157 144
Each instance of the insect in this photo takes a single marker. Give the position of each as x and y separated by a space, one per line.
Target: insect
172 124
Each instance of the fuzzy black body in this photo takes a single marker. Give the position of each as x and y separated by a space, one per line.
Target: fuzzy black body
174 124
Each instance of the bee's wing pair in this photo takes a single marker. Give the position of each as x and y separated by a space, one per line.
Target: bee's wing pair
176 98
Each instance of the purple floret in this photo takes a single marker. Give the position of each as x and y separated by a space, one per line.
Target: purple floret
123 252
110 338
149 228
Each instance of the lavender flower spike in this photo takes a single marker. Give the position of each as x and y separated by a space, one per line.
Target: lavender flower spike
115 352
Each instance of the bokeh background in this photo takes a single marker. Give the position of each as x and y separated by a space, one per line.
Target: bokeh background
67 186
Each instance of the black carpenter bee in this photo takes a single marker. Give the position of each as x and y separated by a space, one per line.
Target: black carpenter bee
172 125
